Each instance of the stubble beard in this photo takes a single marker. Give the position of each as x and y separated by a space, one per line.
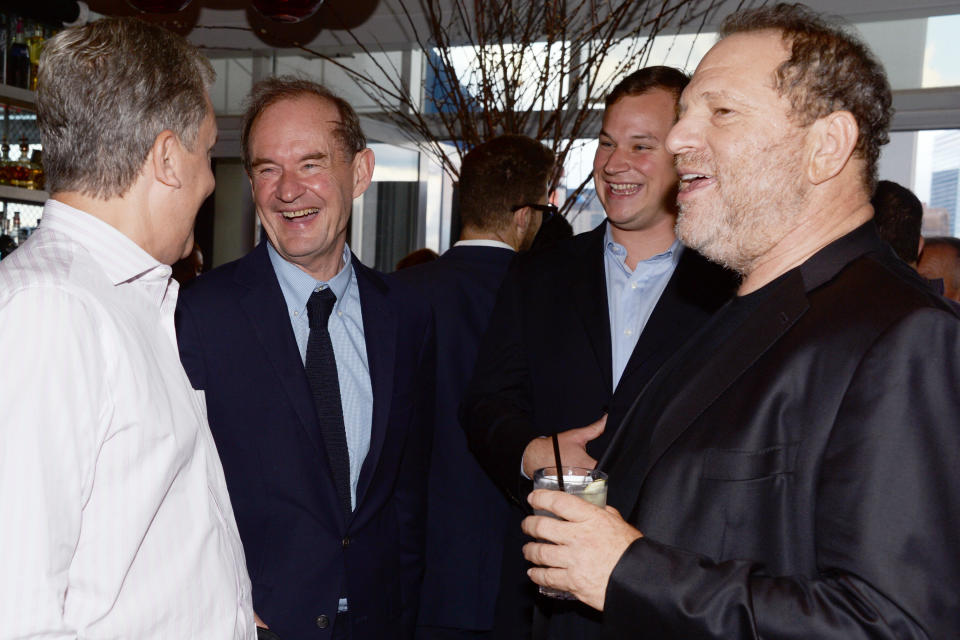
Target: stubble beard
753 209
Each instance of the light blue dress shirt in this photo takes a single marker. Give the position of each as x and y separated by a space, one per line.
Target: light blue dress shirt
349 347
632 295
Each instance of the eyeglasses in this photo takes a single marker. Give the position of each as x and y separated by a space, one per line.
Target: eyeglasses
548 210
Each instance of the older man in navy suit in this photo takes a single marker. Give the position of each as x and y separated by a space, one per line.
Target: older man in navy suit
315 370
503 195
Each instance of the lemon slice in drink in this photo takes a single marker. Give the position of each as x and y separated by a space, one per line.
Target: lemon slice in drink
596 486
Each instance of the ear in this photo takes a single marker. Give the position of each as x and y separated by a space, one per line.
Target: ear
362 171
832 140
521 220
920 247
165 158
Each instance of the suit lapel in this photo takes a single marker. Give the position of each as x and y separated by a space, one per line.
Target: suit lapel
675 317
265 309
700 388
589 296
380 336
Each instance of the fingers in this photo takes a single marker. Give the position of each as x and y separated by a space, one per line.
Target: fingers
589 432
542 528
549 577
258 621
564 505
544 554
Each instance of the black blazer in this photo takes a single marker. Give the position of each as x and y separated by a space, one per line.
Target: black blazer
302 553
467 516
801 481
545 364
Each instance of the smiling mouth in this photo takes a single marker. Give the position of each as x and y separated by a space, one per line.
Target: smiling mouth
693 180
299 213
623 189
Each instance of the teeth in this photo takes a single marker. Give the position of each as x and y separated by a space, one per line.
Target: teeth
692 176
623 189
299 213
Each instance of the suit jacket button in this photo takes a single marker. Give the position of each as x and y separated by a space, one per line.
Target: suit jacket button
323 621
345 542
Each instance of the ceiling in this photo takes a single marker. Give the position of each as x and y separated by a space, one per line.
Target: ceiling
226 27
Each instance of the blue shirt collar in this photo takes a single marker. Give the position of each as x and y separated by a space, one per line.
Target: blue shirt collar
618 252
297 285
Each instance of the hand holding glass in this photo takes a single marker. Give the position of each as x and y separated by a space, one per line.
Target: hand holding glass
589 484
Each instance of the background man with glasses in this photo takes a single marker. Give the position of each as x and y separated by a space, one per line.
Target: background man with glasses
503 188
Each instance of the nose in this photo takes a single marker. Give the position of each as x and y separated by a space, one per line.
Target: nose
288 188
682 137
616 161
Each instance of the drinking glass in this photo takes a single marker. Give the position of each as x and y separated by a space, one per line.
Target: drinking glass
589 484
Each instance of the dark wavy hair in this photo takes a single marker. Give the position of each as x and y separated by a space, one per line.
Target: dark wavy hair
829 69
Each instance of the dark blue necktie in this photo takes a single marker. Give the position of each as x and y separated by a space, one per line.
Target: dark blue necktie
321 368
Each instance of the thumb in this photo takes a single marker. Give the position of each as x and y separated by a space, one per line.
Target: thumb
593 430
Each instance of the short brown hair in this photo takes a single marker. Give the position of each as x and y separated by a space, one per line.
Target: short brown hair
500 174
105 91
646 80
272 90
829 69
898 214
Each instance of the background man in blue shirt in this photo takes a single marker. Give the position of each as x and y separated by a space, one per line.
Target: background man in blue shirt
316 372
580 328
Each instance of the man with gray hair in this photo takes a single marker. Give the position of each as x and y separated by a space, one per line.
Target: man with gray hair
117 522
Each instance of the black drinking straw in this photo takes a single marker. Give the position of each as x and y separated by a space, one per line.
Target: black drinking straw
556 454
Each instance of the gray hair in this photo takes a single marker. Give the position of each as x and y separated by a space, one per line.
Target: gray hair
105 91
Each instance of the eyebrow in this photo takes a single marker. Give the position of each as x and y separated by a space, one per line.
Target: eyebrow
317 155
636 136
719 94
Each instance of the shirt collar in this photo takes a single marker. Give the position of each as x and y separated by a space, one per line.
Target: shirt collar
122 259
297 285
483 243
617 251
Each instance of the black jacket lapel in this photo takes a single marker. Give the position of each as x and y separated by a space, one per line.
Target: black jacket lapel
589 297
640 448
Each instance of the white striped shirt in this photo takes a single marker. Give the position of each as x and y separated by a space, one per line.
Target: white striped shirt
114 515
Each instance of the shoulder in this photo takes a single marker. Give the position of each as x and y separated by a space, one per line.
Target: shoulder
458 268
885 289
53 269
401 294
220 284
554 264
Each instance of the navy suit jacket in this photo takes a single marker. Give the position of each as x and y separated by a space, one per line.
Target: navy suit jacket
468 517
302 552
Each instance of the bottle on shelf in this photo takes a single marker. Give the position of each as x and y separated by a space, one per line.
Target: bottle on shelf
18 59
34 47
5 177
21 176
36 170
